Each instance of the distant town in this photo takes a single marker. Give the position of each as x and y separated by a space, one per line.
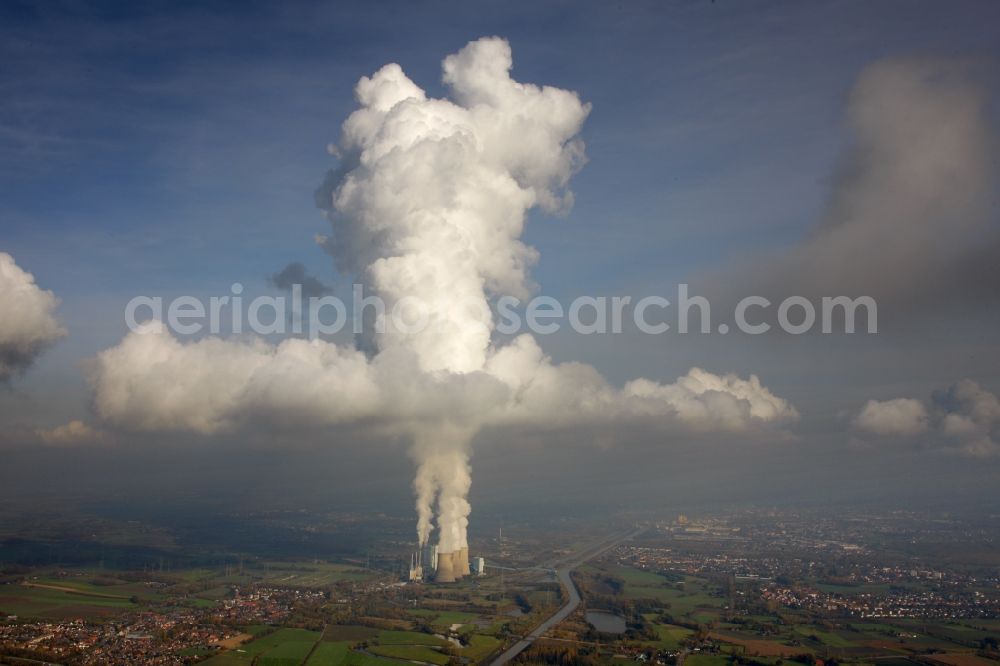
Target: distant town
755 586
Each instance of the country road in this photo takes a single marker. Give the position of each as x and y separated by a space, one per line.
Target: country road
563 573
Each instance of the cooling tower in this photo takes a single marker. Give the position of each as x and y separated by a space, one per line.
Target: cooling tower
446 568
462 562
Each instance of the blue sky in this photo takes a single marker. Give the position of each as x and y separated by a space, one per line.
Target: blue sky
167 148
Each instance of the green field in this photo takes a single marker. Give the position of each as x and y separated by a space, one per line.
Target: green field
27 601
289 653
232 658
215 593
638 577
671 637
875 628
312 575
328 654
479 646
707 660
300 574
360 659
199 603
865 640
411 652
444 618
825 637
339 654
410 645
118 588
690 598
351 633
193 575
284 647
265 643
409 638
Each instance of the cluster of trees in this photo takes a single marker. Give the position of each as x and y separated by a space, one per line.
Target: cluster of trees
988 647
308 614
563 655
19 656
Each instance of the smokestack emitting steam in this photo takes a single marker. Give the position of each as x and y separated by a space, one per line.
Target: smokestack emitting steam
433 211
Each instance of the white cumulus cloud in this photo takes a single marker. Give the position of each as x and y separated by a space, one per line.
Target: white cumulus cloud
153 381
27 320
901 416
964 418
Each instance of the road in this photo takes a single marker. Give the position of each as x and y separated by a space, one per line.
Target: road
563 574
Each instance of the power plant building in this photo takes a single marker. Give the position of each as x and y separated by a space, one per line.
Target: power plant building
429 557
416 570
430 563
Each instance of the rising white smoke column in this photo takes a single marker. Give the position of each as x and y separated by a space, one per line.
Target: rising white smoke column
435 208
431 217
443 473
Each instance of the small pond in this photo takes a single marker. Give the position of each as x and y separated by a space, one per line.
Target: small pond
606 623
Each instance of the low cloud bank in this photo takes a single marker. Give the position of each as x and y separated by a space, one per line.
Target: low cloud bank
964 418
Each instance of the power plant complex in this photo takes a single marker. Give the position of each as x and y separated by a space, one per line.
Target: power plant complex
429 564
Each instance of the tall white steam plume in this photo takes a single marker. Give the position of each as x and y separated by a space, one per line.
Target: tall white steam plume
434 212
428 209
